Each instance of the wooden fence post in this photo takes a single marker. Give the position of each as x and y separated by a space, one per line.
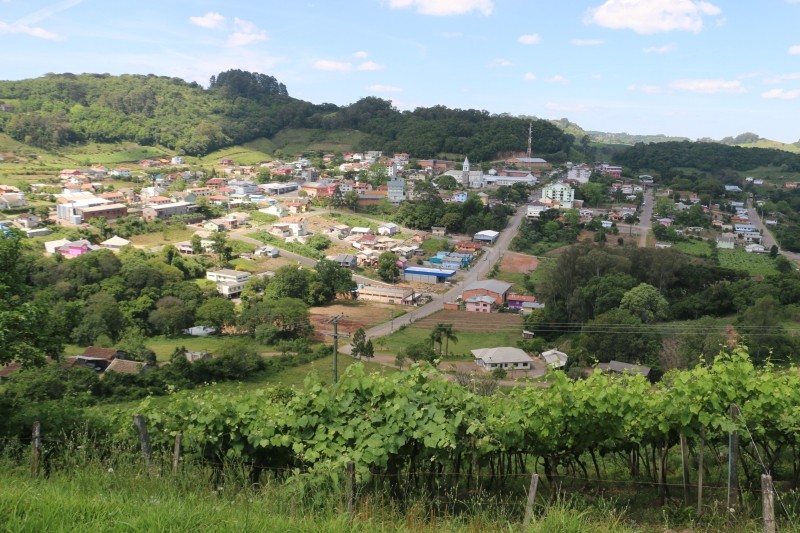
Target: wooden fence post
144 438
176 453
351 489
768 503
36 448
531 498
700 453
733 463
685 467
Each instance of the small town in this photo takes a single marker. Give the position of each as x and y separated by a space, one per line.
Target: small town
417 266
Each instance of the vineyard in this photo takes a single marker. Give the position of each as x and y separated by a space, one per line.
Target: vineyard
412 433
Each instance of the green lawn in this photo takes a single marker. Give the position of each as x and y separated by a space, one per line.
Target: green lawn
753 264
693 247
467 340
170 235
352 220
165 346
431 246
514 278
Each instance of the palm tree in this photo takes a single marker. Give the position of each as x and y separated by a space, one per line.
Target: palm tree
449 334
436 337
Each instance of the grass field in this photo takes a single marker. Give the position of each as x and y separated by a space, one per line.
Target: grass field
169 235
474 330
753 264
699 248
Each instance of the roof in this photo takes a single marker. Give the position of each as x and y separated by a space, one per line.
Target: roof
490 234
126 367
620 367
228 272
480 299
439 273
521 298
100 353
504 354
492 285
116 241
554 357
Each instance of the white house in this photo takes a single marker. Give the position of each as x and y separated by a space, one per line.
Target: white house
505 357
388 228
227 275
290 227
555 358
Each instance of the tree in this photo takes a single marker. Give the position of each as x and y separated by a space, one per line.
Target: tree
197 245
216 313
646 302
338 280
369 350
351 200
619 335
171 316
219 245
446 182
387 267
359 343
101 316
133 344
448 335
289 282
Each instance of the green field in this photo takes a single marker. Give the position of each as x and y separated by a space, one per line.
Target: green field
299 140
753 264
169 236
461 350
700 248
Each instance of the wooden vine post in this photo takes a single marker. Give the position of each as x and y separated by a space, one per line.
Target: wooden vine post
176 453
36 448
768 503
350 489
531 498
733 463
144 439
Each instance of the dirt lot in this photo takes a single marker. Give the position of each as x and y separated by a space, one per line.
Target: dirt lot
466 321
521 263
356 315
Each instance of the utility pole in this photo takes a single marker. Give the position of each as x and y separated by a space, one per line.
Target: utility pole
335 321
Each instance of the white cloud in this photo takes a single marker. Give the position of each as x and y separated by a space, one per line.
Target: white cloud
795 50
445 7
45 12
245 32
588 42
41 33
652 16
567 108
558 78
532 38
783 77
529 76
332 66
360 54
663 49
708 86
647 89
781 94
384 89
499 63
370 65
212 20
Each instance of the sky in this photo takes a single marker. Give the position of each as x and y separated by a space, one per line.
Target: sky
691 68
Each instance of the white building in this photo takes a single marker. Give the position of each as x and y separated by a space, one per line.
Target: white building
561 193
506 357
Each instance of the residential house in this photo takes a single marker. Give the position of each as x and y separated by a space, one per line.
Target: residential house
516 301
438 231
226 274
164 211
290 227
12 200
267 251
343 260
726 241
396 191
388 228
755 248
506 357
27 221
277 210
76 248
554 358
618 367
468 247
123 366
297 205
480 304
106 211
115 243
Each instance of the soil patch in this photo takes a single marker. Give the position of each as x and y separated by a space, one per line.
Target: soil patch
521 263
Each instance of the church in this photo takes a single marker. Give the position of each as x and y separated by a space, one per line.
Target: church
471 179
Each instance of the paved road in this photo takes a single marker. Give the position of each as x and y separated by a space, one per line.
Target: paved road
478 271
768 240
645 217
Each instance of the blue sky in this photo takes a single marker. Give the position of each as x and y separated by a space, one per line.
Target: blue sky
692 68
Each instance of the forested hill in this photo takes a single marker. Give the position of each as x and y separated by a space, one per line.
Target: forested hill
237 107
704 156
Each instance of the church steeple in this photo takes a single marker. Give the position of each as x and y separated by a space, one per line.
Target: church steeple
466 164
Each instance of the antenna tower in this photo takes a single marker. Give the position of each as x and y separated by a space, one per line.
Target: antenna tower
530 140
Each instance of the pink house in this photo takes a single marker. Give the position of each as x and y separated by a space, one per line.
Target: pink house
480 304
74 249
